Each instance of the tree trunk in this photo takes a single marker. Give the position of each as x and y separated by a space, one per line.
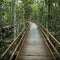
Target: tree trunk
1 2
14 19
48 21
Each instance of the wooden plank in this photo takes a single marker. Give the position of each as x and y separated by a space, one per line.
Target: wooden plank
34 47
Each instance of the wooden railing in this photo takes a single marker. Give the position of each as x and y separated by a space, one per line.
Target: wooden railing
15 47
52 43
12 51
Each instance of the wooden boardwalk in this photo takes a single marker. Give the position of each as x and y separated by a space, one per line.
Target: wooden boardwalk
34 47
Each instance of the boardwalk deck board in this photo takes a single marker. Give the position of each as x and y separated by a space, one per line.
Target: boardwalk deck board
34 47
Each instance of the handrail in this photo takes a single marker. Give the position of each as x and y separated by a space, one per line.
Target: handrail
14 42
51 35
20 48
50 42
48 33
50 39
18 45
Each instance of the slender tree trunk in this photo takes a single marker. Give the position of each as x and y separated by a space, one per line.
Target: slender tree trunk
14 19
11 12
1 24
1 2
49 4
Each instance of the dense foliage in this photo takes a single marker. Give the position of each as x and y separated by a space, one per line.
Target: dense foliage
14 13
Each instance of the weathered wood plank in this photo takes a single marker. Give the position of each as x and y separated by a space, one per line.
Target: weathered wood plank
34 47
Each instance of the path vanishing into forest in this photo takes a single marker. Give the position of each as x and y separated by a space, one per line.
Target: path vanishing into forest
34 47
33 43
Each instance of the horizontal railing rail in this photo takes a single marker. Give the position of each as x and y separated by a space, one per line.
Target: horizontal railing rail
52 42
19 45
13 47
20 48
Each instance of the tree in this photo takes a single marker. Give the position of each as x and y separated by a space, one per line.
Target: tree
27 8
1 12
